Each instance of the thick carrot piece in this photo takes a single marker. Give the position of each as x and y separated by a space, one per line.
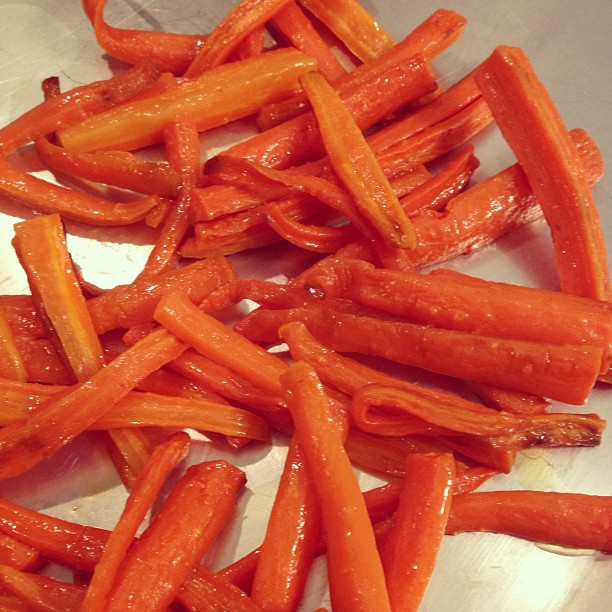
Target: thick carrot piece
292 538
63 417
411 549
218 96
356 165
532 126
213 339
185 527
162 461
246 17
356 576
168 50
353 25
564 519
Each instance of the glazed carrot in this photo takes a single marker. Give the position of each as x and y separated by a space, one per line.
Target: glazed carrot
38 194
509 401
185 527
218 96
241 572
41 592
164 458
57 422
74 105
116 168
532 126
355 164
11 363
456 301
213 339
246 17
355 572
411 549
168 50
18 555
565 372
565 519
252 45
353 25
291 540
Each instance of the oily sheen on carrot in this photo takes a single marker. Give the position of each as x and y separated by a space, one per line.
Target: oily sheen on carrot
356 576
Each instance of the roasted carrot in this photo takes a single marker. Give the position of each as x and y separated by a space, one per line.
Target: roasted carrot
565 519
163 459
18 555
411 548
246 17
11 363
509 401
185 527
532 126
356 577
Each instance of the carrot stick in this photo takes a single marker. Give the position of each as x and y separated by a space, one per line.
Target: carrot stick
164 458
355 164
532 126
509 401
11 362
355 572
353 25
217 97
564 519
18 555
185 527
75 105
57 422
246 17
213 339
291 540
411 549
168 50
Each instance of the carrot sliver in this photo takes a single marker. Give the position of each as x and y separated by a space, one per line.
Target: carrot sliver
532 126
11 362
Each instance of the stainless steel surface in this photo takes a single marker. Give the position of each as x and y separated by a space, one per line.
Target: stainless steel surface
568 42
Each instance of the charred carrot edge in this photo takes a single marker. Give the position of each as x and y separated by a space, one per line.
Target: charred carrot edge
355 571
213 339
356 165
119 169
564 519
532 126
162 461
18 555
41 592
24 444
411 548
246 17
218 96
74 105
168 50
185 527
353 24
291 539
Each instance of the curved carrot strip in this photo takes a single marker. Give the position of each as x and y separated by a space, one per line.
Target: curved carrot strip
564 519
355 572
411 548
185 527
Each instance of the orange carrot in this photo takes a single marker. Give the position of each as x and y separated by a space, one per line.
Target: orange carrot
532 126
11 363
246 17
411 548
356 577
18 555
185 527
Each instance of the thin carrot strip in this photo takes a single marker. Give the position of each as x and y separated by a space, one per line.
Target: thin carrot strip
18 555
252 45
168 50
532 126
185 527
58 421
564 519
291 540
355 164
411 549
218 96
164 458
353 24
509 401
11 362
355 571
246 17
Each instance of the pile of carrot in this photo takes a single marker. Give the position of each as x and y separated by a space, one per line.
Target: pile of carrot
378 189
